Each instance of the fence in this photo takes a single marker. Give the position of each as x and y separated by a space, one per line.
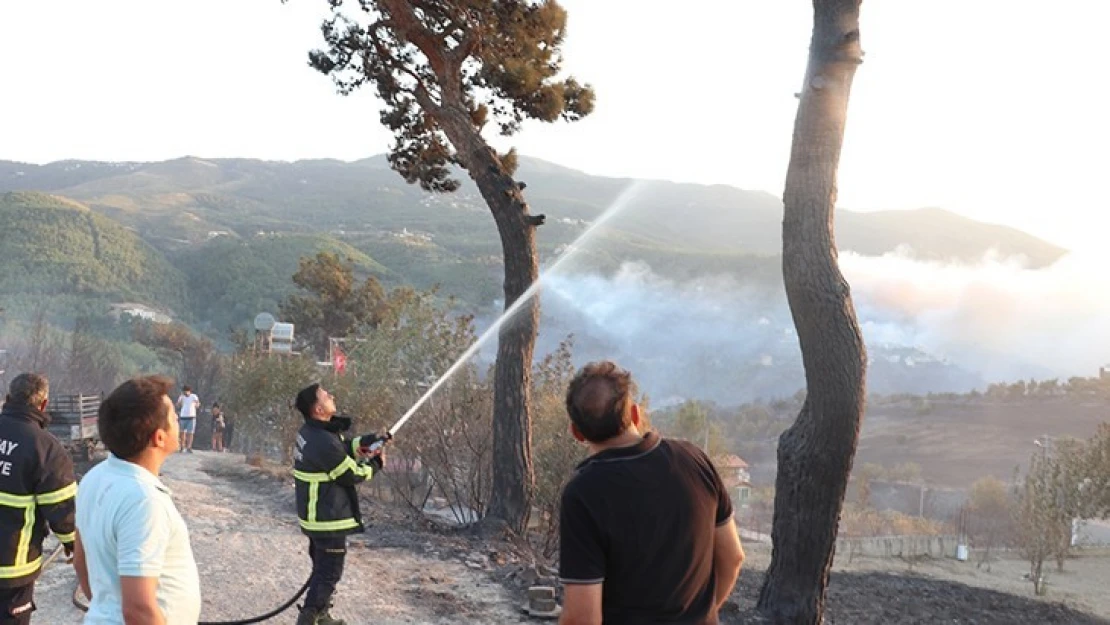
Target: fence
909 547
939 504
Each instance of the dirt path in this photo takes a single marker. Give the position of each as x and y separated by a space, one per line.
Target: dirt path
252 557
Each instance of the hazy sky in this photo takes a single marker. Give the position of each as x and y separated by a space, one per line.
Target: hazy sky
996 109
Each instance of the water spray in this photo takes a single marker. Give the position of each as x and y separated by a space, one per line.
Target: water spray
617 206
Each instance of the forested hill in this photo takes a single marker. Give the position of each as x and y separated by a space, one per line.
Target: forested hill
58 248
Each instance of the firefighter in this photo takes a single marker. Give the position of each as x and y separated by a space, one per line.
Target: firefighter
327 464
37 491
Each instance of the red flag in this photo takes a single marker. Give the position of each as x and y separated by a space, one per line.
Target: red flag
338 359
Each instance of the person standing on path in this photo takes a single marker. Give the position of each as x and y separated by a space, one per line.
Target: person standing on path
187 404
133 556
327 465
218 427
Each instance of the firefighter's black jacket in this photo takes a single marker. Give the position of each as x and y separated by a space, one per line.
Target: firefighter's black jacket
37 492
326 472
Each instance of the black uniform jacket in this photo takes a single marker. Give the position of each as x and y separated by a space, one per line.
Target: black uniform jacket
326 473
37 492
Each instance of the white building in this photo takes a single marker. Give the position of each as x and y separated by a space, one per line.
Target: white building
139 311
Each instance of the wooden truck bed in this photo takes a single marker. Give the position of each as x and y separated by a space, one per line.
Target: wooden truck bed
73 419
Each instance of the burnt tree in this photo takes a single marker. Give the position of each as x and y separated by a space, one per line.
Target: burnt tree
443 69
815 454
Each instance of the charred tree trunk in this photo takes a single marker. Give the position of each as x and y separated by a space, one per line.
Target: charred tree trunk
513 478
815 454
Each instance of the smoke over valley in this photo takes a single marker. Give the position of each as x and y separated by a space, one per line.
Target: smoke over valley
929 326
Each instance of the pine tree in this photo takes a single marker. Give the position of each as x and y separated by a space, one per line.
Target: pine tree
444 70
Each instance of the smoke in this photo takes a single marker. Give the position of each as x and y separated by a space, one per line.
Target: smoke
997 317
929 326
711 337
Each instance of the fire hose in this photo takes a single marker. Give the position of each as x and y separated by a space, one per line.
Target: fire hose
82 603
53 555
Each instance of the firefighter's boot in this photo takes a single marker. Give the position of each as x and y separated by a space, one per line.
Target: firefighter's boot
308 616
325 618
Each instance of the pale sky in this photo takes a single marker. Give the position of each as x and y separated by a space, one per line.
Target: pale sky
996 109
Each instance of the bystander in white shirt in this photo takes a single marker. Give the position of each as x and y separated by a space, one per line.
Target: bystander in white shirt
187 406
130 527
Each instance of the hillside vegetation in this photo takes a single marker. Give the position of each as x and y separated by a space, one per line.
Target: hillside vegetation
231 280
57 247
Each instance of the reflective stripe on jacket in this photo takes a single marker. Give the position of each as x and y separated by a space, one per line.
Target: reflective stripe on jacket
37 493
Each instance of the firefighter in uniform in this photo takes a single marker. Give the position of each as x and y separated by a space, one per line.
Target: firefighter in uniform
327 465
37 493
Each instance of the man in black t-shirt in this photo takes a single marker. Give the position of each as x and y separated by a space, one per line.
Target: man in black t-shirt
646 525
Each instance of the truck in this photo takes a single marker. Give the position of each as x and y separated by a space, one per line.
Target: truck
73 420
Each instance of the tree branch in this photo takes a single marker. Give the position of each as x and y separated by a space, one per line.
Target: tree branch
421 92
466 47
443 64
404 21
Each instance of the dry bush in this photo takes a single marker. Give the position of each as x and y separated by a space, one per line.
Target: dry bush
260 389
990 517
857 520
450 439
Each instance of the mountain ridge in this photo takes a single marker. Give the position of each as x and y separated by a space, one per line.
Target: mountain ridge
706 217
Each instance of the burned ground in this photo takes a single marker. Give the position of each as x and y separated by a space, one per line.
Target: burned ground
877 598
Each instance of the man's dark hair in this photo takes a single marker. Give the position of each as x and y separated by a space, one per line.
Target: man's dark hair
188 389
132 413
306 400
30 389
599 401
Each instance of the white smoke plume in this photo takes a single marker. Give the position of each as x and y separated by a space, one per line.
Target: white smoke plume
996 317
712 337
929 326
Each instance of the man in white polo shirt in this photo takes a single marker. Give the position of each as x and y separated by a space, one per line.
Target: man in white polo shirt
187 404
132 555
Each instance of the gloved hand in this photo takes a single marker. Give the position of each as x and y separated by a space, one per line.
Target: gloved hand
377 461
371 443
371 449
